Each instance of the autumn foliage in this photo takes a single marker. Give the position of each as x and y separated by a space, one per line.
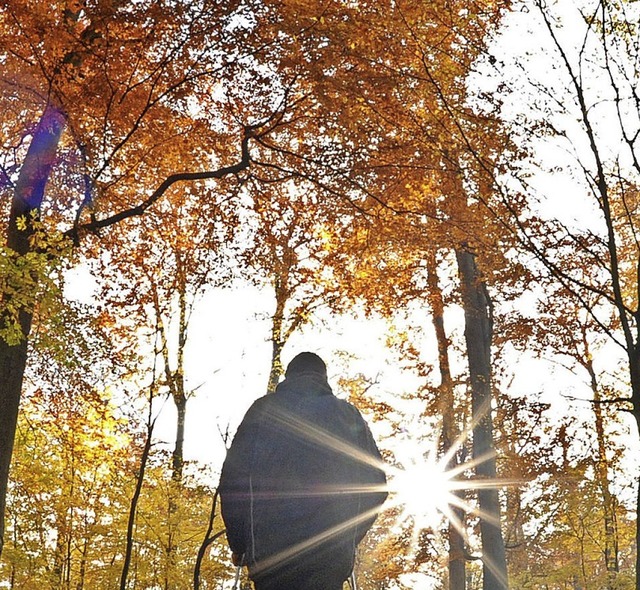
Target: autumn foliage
382 176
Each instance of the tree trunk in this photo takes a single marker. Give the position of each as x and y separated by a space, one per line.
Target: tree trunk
276 370
177 459
178 386
637 417
209 538
277 335
478 337
634 374
13 360
450 431
638 531
133 507
174 378
175 383
83 561
27 200
602 474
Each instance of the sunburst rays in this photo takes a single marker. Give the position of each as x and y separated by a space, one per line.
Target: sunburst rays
430 490
426 488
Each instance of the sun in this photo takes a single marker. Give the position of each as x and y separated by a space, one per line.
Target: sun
429 492
423 489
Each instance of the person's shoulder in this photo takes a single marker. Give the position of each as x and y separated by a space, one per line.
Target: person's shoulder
345 408
259 407
262 403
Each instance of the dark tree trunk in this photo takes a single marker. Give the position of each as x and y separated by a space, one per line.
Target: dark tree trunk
13 360
634 374
450 430
133 507
27 200
209 538
478 337
637 417
177 460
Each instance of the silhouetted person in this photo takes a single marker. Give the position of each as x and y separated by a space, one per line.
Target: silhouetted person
301 484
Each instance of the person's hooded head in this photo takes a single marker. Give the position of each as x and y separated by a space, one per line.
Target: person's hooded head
306 363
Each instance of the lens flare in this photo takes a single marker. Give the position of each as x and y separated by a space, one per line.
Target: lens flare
427 489
423 490
430 491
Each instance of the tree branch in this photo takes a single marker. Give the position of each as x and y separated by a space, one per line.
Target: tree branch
243 164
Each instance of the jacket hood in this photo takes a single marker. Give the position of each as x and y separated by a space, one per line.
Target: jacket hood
311 384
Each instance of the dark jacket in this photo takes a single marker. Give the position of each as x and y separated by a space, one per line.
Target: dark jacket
302 481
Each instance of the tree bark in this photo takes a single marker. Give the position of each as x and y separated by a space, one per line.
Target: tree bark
178 387
478 337
634 374
602 473
177 459
277 333
133 507
276 370
27 200
450 431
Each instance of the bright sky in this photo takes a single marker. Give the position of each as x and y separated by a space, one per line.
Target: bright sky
230 355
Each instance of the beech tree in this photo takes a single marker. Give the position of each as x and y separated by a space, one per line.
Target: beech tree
81 443
425 141
583 113
85 90
151 285
479 336
576 338
106 107
288 255
150 288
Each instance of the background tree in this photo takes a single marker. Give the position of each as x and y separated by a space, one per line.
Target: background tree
84 446
85 91
152 286
288 253
577 337
479 336
591 135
